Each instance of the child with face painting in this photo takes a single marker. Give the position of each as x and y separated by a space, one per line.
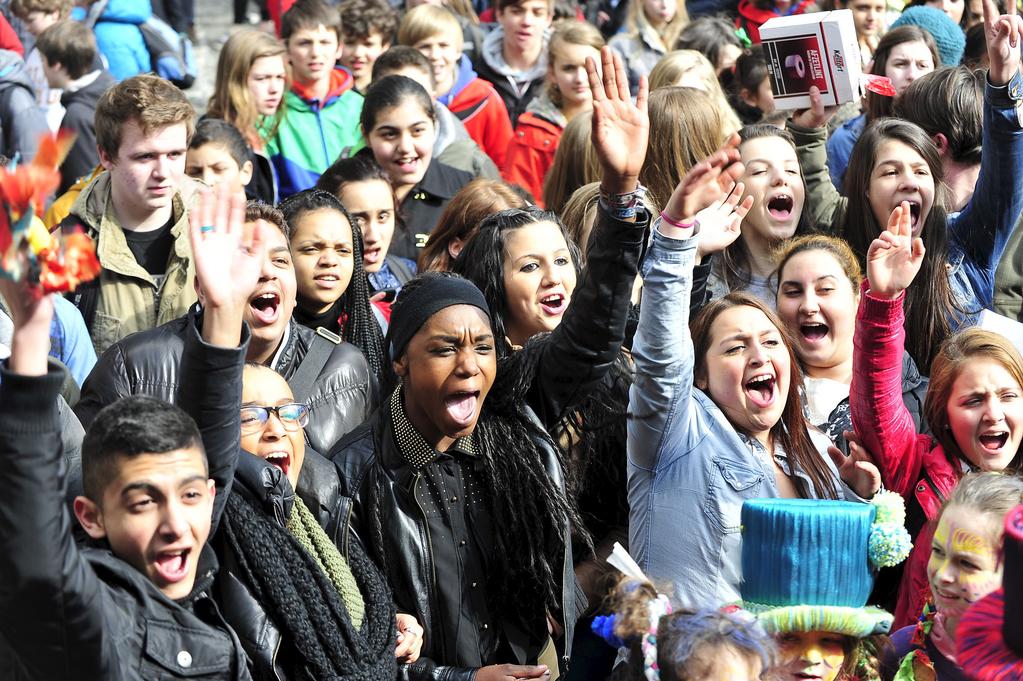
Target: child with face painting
399 125
964 566
973 404
715 414
774 182
895 161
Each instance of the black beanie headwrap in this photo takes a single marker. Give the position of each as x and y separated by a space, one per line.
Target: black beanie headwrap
424 301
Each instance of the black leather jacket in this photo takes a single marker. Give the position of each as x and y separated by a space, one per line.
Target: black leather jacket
147 363
75 613
372 451
259 636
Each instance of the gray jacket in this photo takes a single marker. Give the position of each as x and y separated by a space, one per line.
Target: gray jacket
22 122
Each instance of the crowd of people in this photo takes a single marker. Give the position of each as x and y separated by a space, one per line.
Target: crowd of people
469 341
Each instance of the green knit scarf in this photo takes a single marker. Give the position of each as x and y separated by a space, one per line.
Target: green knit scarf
314 540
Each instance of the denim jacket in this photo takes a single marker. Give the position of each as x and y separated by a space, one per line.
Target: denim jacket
689 469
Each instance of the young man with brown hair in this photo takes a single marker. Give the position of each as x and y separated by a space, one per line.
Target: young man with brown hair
137 211
514 55
135 601
369 27
68 50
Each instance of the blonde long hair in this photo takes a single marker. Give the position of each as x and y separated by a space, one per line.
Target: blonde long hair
636 21
685 128
670 68
231 98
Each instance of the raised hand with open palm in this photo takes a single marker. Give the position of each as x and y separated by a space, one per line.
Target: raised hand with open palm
620 128
895 256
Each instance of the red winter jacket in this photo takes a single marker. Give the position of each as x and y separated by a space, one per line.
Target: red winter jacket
531 153
482 111
911 464
751 17
8 38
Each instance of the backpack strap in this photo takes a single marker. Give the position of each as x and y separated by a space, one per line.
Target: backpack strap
302 381
86 295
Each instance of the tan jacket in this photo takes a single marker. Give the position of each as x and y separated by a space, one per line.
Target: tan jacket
129 300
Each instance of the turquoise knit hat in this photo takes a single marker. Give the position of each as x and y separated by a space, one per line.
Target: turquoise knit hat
808 565
950 39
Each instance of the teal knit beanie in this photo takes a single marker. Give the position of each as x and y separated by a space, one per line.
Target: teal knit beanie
947 35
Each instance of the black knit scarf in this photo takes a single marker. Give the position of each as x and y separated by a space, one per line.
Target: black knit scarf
306 607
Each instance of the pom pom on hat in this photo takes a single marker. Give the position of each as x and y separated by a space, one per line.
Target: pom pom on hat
891 509
947 35
889 545
889 542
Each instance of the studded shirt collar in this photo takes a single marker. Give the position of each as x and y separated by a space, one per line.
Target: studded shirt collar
412 445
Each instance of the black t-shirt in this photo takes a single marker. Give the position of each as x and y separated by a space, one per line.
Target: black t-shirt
152 249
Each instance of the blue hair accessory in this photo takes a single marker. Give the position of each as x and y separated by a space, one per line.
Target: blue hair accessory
604 627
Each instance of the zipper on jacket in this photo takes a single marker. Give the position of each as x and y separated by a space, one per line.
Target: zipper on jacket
273 660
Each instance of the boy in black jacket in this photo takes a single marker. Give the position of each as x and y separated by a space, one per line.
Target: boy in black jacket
68 49
139 607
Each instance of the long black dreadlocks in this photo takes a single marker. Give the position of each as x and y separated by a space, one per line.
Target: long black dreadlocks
359 327
306 607
529 505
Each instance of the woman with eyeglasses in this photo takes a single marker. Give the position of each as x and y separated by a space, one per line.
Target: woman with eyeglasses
272 425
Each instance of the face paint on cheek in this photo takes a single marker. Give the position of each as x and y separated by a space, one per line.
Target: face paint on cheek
976 585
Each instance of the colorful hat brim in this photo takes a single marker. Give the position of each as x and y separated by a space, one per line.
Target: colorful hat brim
856 622
982 650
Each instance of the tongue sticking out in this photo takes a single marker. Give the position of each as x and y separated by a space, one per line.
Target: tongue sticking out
461 407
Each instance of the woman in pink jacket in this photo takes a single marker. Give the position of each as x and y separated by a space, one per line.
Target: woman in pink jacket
974 404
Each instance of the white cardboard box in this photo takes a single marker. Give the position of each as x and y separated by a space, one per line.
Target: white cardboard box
812 49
